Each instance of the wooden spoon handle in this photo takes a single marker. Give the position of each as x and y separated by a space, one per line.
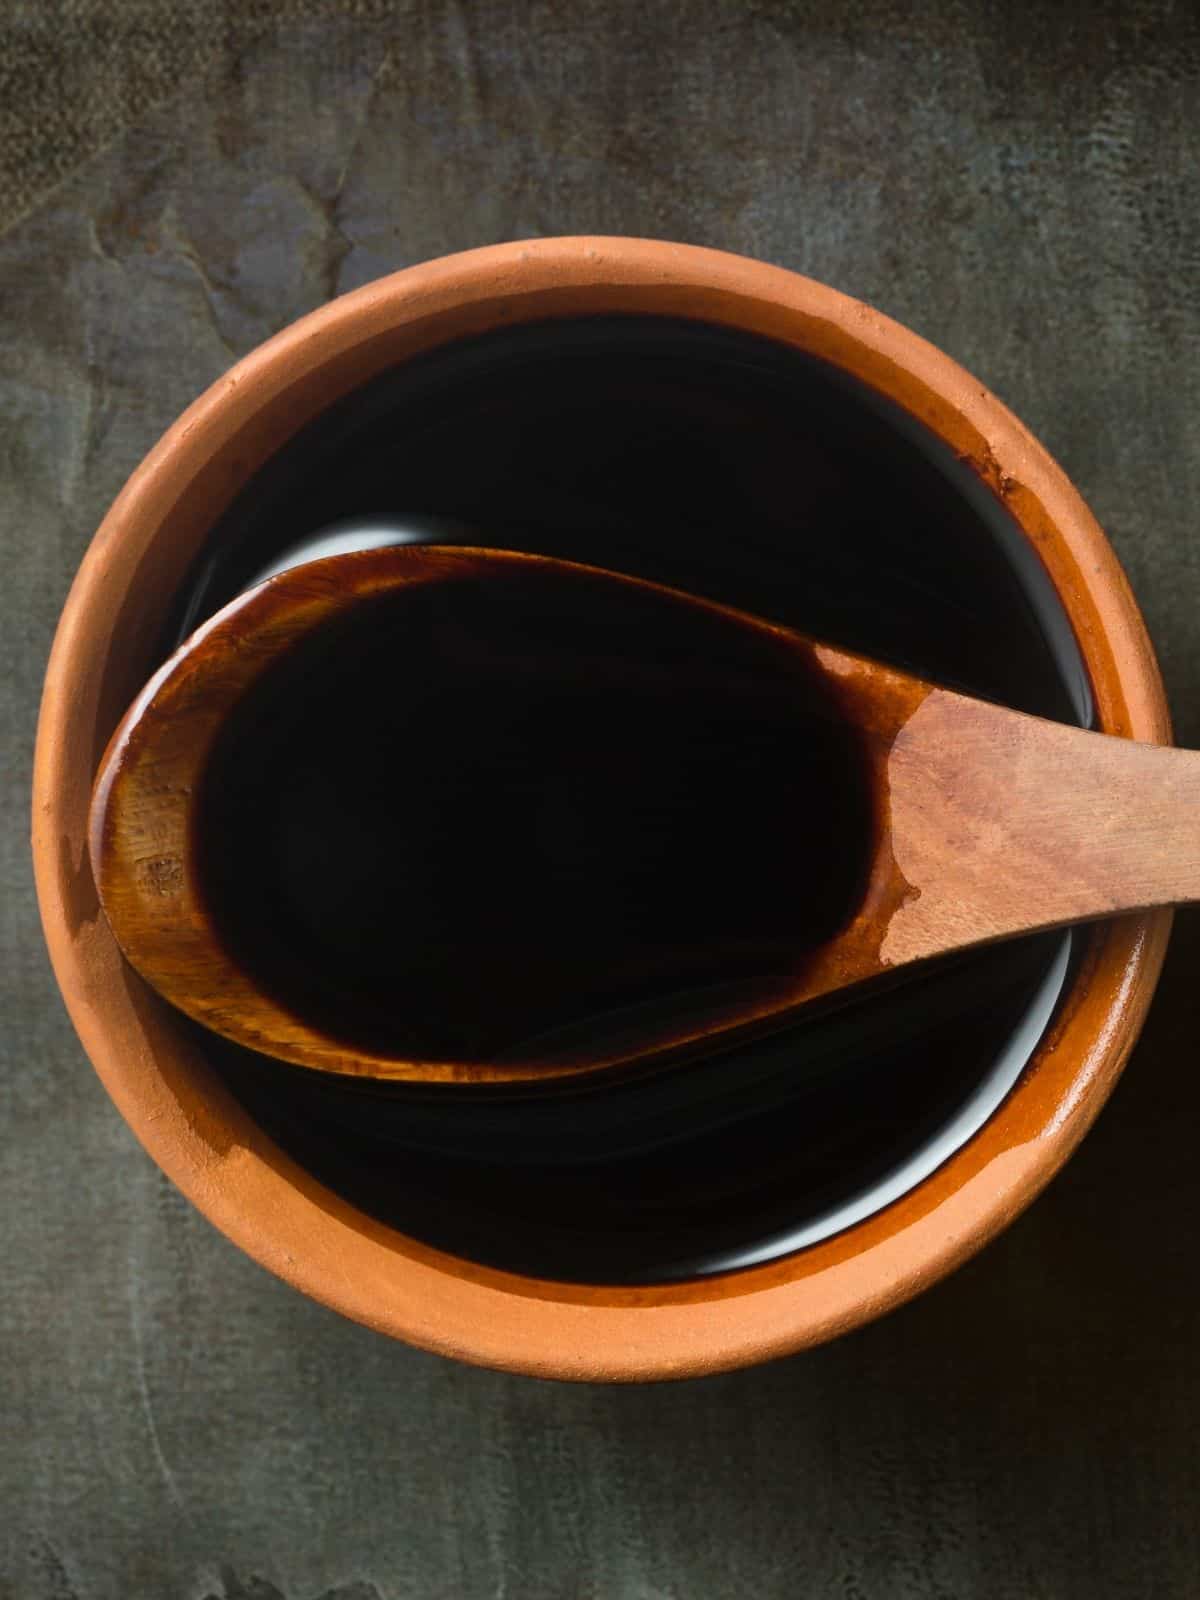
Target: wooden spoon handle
1006 824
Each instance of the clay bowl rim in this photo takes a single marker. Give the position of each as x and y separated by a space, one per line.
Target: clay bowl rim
211 1148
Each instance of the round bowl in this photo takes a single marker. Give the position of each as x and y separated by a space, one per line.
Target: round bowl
209 1144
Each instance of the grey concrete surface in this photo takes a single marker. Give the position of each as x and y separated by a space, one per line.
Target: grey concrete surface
1021 183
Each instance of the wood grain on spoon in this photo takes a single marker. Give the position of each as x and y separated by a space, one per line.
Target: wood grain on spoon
989 824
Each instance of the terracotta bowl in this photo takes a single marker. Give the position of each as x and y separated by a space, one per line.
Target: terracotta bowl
209 1144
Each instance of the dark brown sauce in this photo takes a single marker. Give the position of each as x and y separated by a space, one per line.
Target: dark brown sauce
479 811
730 467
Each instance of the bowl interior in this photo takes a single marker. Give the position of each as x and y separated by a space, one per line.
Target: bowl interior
739 468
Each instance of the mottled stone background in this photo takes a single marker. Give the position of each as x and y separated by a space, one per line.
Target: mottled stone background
1018 181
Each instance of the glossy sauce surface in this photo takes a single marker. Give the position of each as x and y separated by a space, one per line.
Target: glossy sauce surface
736 469
484 810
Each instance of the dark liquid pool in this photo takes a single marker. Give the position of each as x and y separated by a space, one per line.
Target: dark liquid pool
485 810
574 849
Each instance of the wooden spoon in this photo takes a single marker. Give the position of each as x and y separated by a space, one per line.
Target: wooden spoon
989 824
